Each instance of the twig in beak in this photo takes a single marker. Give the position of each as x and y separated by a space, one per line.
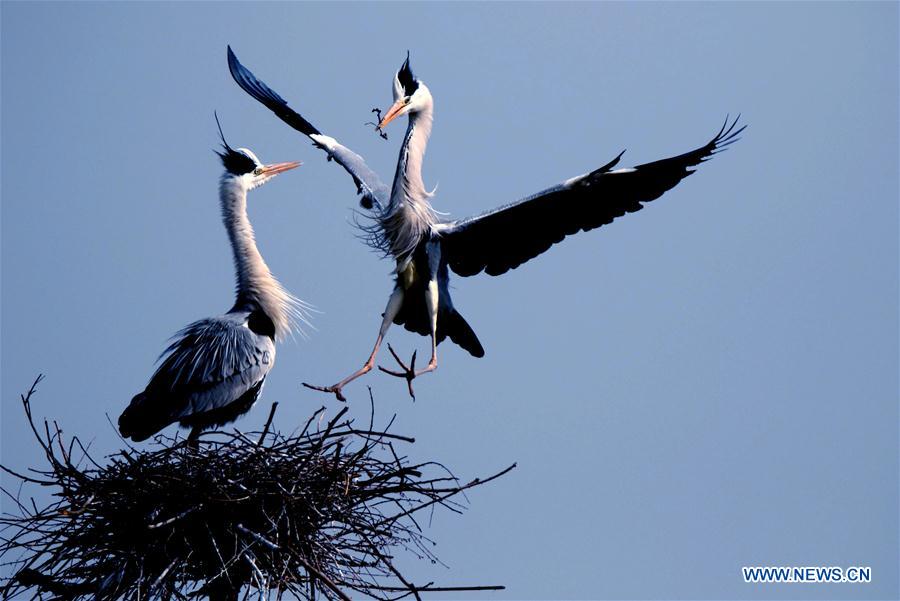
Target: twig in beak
380 131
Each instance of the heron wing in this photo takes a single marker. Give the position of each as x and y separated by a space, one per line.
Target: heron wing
506 237
373 191
210 364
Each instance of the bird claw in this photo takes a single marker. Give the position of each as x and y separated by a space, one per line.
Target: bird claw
336 390
408 373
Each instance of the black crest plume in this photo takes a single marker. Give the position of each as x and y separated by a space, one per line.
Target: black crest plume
407 79
235 162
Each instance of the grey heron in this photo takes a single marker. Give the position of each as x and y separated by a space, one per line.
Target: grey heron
214 369
406 228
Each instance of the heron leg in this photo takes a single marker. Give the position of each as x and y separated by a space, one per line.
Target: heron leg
395 302
193 439
409 372
432 298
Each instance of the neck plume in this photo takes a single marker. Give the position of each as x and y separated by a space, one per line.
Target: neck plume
408 184
409 215
256 287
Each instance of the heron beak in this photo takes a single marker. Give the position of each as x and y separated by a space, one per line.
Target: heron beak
276 168
394 112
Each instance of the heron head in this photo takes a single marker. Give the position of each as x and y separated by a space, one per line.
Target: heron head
242 165
410 94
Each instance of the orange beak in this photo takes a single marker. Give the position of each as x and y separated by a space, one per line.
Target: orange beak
392 113
276 168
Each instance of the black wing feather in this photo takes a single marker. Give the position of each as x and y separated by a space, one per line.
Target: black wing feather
374 192
267 96
504 238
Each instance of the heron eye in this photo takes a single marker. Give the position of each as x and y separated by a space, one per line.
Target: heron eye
257 171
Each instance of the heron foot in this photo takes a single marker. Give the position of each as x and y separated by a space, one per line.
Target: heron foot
336 390
409 372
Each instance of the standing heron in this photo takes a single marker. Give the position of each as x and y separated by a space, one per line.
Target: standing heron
406 227
214 369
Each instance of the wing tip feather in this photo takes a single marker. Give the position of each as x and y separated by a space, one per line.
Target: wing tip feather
727 134
250 83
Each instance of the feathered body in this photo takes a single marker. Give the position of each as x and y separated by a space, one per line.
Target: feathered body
406 229
210 375
214 369
425 266
405 226
408 218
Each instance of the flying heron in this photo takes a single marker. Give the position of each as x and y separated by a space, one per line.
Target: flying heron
214 369
406 227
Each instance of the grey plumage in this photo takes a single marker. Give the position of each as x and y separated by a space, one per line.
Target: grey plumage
214 369
211 364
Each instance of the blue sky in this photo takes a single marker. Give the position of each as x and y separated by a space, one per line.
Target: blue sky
707 384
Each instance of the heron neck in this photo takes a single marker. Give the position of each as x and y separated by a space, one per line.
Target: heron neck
409 215
257 288
408 184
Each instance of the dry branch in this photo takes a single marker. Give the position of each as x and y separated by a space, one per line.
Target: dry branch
319 512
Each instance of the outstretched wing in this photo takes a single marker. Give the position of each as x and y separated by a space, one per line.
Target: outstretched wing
210 364
374 192
504 238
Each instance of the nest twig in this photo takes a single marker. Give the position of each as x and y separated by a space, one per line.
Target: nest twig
318 511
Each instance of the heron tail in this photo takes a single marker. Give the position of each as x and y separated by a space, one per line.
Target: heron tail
140 421
460 332
413 316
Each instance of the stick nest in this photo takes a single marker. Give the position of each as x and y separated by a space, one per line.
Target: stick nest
318 511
